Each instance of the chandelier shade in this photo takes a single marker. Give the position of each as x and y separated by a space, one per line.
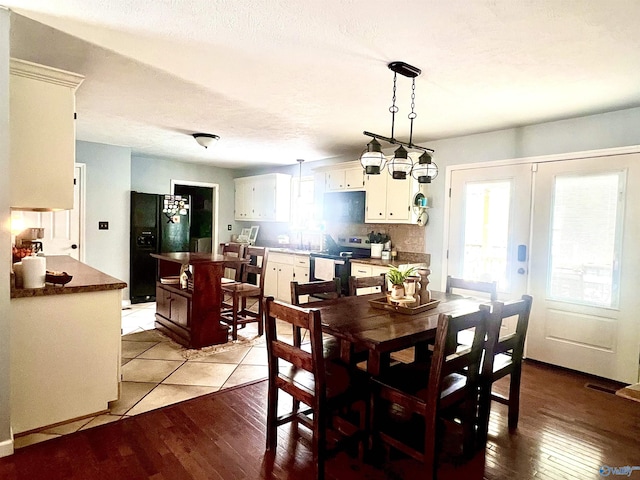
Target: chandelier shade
372 159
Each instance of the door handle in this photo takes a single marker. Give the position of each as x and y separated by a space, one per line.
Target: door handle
522 253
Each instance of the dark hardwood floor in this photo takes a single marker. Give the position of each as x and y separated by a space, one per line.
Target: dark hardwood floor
566 430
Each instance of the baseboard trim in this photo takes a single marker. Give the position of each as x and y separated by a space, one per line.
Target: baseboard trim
6 447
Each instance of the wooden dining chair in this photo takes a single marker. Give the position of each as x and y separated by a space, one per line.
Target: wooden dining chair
323 386
484 287
503 356
240 292
319 290
365 282
233 250
409 410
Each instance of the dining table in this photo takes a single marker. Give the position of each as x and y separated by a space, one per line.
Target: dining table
358 325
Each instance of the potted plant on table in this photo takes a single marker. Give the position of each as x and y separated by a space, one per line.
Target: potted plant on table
397 277
377 241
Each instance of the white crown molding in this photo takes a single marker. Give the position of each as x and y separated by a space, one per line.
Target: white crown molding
22 68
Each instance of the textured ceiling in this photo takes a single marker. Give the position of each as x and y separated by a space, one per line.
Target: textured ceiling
286 79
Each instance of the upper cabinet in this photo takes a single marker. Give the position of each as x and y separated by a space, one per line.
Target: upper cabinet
389 200
42 136
344 179
264 198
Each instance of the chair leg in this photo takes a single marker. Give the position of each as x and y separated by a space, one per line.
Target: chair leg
234 327
260 318
514 398
484 412
319 441
272 413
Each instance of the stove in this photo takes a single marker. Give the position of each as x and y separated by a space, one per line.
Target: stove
334 259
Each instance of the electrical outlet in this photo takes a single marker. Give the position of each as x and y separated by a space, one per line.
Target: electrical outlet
103 225
229 227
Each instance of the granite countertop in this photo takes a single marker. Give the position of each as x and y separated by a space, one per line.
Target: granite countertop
403 258
293 251
85 279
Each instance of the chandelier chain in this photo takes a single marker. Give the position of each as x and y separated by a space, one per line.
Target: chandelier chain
393 108
412 115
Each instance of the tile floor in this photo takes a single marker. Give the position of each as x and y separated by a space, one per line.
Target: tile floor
155 373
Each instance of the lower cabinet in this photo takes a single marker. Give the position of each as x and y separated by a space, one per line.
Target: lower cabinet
362 270
282 269
173 309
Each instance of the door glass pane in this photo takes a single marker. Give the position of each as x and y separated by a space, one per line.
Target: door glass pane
585 238
486 232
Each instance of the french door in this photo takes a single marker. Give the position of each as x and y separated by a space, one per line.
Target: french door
582 261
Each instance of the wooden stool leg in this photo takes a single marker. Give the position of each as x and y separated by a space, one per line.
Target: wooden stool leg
234 331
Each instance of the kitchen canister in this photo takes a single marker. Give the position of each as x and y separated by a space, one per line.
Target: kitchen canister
34 270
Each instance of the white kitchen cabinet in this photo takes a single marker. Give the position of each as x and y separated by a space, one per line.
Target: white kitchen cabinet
389 200
42 136
362 270
282 269
263 198
345 179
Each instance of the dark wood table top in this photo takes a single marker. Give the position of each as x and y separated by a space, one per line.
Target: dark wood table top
354 321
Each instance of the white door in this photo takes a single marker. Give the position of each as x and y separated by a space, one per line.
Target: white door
489 226
585 263
583 256
61 228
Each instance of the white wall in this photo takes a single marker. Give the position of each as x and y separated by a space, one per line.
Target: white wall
154 175
6 441
108 182
613 129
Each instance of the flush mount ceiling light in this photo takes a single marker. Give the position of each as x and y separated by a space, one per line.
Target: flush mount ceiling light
206 139
400 165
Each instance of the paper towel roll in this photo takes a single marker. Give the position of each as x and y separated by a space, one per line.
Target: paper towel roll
34 270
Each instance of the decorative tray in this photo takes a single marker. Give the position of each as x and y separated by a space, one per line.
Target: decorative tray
405 305
57 278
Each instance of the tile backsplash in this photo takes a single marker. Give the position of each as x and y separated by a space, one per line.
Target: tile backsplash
406 238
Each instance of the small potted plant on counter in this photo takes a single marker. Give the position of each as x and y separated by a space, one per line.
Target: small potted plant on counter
377 241
397 278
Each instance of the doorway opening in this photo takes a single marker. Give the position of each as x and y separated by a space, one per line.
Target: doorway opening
203 230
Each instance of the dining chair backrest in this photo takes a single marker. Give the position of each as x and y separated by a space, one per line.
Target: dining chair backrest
451 391
312 362
502 357
257 264
233 250
485 287
365 282
326 289
448 359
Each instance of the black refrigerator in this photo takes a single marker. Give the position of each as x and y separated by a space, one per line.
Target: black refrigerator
159 224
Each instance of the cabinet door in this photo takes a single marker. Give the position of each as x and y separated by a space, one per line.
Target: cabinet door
264 199
335 180
243 199
398 200
42 134
271 280
285 277
180 310
354 179
376 188
163 302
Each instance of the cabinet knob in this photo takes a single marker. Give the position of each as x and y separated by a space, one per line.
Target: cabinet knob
74 246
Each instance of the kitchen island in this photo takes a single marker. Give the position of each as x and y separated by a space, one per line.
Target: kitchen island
65 347
191 315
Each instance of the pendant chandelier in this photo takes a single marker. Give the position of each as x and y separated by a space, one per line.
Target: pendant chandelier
401 164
